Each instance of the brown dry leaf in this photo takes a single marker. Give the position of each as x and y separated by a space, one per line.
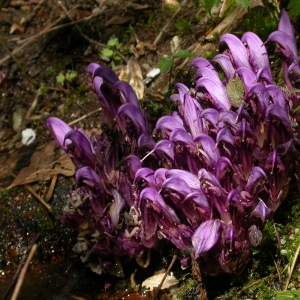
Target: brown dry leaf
43 167
135 77
155 280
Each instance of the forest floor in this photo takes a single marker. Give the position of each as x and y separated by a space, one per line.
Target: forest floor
45 49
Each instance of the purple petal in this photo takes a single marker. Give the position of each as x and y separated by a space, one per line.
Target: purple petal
59 129
178 185
106 73
211 115
225 135
208 145
237 50
257 51
147 141
167 124
182 90
189 178
226 65
247 75
256 181
285 24
191 114
277 95
288 46
128 95
180 135
201 62
135 115
208 72
81 152
115 209
205 237
91 68
264 76
262 95
216 90
166 147
160 176
261 211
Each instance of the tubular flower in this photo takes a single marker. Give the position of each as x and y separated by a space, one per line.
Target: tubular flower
205 179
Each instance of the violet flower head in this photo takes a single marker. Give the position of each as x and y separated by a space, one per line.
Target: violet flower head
208 176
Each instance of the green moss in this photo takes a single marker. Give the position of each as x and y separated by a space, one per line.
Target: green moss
187 286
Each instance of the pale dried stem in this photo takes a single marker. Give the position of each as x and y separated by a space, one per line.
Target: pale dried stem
23 272
292 268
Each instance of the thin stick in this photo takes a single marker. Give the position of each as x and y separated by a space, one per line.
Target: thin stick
57 27
85 116
35 239
292 268
155 293
51 188
168 23
23 272
33 105
89 39
254 283
45 30
33 192
17 62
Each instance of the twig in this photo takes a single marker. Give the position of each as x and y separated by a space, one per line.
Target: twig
16 61
33 105
35 239
89 39
56 28
169 21
292 268
33 192
27 20
23 272
85 116
45 30
51 188
253 284
156 291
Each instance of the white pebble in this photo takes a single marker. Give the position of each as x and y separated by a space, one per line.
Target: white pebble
28 136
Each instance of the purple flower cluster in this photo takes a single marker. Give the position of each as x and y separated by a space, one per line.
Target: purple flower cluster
217 169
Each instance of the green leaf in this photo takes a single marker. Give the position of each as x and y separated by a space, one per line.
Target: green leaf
209 4
244 3
60 78
165 64
70 75
183 54
107 52
113 42
235 91
288 295
294 8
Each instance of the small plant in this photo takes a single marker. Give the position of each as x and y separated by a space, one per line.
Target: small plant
166 63
183 26
111 55
69 76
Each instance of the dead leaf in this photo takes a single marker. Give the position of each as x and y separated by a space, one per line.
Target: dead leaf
154 282
43 166
135 77
16 27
